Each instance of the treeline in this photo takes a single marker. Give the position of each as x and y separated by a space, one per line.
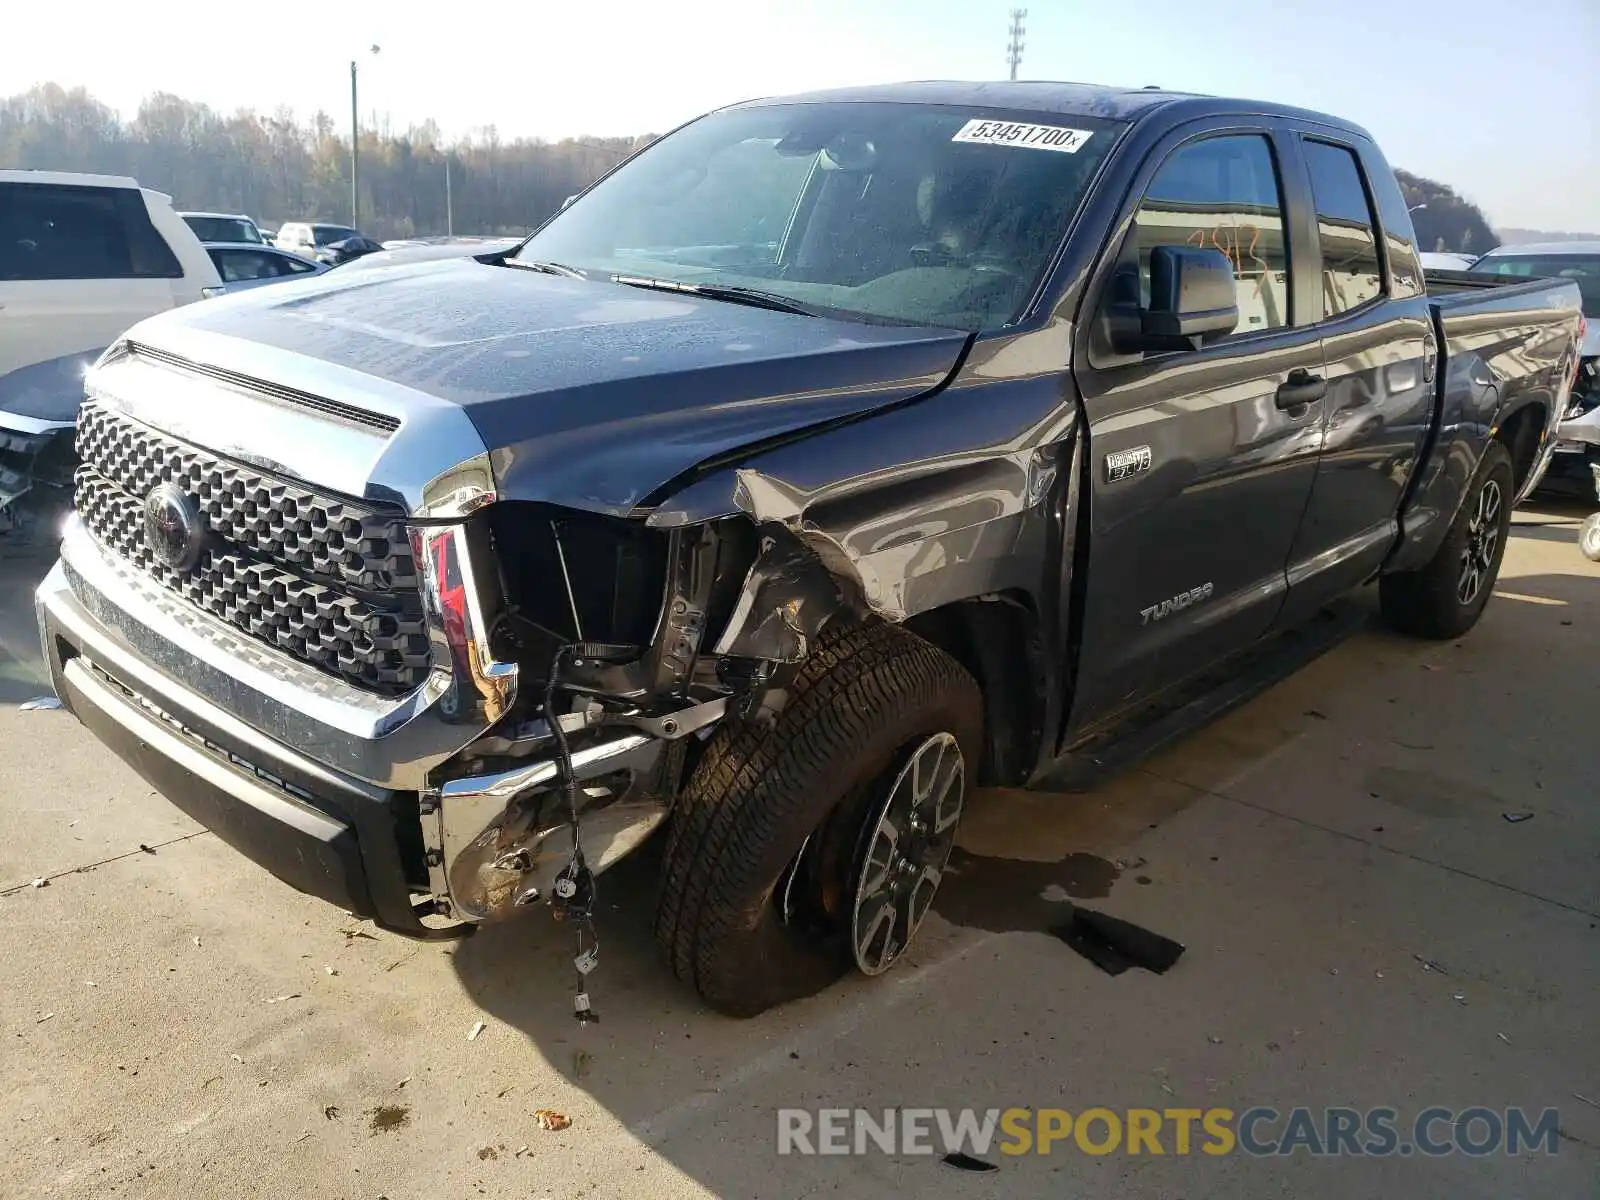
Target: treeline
1447 222
276 168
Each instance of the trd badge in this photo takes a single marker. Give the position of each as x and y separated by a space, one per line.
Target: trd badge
1122 464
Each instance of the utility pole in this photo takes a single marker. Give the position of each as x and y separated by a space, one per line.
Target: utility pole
1014 46
355 153
449 209
355 148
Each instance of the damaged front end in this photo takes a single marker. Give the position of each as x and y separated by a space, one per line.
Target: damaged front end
36 466
38 423
636 642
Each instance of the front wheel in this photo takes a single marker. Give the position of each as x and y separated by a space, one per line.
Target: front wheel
1446 597
1589 537
818 844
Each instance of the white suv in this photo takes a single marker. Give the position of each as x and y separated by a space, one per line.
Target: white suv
82 257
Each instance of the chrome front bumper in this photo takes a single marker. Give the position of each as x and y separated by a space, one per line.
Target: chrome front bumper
389 742
1574 433
332 789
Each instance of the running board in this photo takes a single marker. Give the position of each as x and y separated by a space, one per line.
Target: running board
1216 692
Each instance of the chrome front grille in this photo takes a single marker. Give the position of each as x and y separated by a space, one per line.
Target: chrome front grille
324 578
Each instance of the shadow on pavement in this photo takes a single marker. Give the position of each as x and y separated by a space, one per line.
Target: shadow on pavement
658 1057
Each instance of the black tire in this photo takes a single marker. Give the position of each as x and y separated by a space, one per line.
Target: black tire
1434 601
1589 537
758 794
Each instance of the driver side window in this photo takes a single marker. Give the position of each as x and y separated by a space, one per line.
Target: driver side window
1222 194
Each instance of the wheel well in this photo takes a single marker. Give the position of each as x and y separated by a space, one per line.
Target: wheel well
1520 434
996 639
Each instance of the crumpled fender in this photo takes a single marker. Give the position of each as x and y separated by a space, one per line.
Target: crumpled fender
913 509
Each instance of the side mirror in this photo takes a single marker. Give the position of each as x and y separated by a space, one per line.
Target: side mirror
1192 297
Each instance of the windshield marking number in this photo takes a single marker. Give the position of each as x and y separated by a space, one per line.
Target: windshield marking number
1034 137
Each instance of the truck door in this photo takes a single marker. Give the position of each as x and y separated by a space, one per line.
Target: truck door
1200 461
1379 356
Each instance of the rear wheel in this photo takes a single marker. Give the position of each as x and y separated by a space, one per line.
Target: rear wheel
818 843
1446 597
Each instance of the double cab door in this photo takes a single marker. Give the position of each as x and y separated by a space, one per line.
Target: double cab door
1238 485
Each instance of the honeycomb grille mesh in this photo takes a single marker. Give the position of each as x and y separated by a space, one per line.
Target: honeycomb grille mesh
326 579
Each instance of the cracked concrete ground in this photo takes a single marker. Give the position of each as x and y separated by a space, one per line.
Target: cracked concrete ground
179 1023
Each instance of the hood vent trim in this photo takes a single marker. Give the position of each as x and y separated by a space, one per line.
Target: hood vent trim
379 422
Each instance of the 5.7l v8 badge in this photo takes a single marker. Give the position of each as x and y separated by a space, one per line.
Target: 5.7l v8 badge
1120 464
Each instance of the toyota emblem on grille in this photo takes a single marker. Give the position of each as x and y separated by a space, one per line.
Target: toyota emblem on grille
173 529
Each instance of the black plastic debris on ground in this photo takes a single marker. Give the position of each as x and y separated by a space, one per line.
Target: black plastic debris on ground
965 1162
1517 817
1114 945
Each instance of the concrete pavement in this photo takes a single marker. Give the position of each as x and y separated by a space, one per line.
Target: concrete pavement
179 1023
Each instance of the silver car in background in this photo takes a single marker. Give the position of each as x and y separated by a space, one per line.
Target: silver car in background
1577 449
246 265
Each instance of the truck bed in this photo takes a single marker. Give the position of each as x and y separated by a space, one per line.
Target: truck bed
1504 346
1452 289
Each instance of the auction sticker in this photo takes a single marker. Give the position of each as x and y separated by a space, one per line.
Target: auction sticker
1012 133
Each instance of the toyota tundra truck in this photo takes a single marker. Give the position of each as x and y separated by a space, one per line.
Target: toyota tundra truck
827 459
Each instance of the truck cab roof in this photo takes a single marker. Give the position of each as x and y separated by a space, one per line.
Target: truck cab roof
1113 103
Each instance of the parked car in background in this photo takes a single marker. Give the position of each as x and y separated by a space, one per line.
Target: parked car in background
1443 260
305 238
1577 449
416 250
243 266
347 250
831 457
82 257
224 227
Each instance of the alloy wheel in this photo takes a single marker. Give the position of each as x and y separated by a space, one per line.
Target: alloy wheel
1483 538
908 847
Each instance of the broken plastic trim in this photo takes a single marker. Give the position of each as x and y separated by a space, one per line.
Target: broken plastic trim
788 596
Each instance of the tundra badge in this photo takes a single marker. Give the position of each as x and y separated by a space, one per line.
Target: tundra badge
1121 464
1177 604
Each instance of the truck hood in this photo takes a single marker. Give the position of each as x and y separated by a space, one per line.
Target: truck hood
587 394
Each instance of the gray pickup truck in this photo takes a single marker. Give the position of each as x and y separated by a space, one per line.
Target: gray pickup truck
828 458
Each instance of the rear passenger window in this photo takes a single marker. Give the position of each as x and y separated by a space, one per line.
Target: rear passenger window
63 232
1222 193
1351 272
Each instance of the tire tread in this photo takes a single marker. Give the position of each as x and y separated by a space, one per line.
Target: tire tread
755 788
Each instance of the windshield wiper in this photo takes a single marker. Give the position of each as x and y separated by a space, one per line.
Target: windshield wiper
754 297
548 268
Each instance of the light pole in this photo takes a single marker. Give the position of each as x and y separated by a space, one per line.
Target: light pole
355 148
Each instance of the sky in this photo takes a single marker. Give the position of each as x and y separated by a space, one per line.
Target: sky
1501 100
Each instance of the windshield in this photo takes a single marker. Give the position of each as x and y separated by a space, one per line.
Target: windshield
327 235
224 229
906 213
1582 269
